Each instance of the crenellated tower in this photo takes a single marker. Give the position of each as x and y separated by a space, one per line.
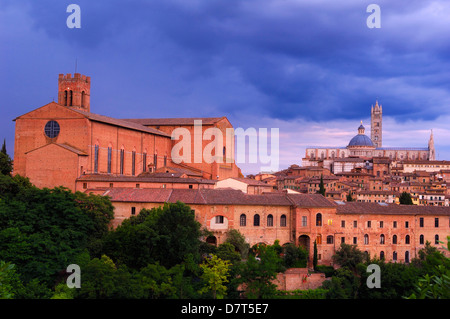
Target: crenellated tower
376 125
74 91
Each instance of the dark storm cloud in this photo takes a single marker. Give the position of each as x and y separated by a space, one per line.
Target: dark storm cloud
284 59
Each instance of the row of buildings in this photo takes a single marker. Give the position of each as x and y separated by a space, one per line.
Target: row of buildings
130 161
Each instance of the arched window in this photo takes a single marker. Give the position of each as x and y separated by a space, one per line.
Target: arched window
96 148
319 219
329 239
381 255
407 257
436 239
65 98
394 256
319 239
421 240
122 155
83 99
256 220
407 239
382 239
70 98
366 239
270 220
394 239
283 221
243 220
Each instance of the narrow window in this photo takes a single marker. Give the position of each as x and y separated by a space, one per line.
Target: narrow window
381 224
122 154
283 221
407 239
395 224
369 224
70 98
96 159
133 163
65 98
421 221
109 159
219 219
144 162
319 239
436 239
342 223
355 224
436 222
355 240
133 210
329 239
304 221
270 221
382 239
421 240
394 239
155 161
366 239
165 160
256 220
83 97
243 220
319 219
394 256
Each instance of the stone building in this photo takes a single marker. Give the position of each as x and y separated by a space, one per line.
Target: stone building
59 143
390 231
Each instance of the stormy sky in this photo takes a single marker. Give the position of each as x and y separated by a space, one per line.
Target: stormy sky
310 68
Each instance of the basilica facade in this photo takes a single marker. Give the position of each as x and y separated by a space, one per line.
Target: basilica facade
64 143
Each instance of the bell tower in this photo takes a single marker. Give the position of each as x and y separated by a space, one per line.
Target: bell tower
74 91
376 125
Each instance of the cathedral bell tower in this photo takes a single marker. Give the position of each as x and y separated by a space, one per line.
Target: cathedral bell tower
376 125
74 91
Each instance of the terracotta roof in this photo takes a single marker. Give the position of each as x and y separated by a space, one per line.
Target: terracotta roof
122 123
175 121
215 197
150 178
360 208
63 145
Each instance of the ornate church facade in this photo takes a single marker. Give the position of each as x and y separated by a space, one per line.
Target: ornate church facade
365 147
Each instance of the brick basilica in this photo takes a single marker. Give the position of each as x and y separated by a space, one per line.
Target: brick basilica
129 160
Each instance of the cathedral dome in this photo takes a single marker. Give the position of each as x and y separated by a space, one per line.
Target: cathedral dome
361 139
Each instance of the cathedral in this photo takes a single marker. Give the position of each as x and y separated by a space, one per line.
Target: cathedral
363 147
64 143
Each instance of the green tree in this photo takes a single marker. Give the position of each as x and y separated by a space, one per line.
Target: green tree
235 238
42 230
215 275
6 165
315 256
166 234
321 186
343 285
227 251
349 197
294 256
405 199
348 256
259 272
